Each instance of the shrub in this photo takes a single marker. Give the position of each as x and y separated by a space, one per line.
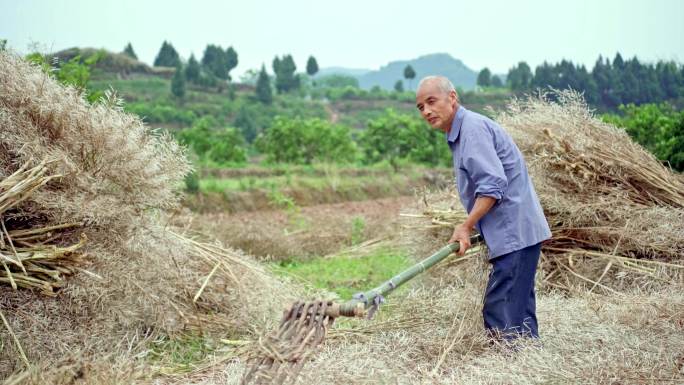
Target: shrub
304 141
394 137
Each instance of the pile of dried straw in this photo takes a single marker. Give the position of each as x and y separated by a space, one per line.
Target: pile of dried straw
612 206
84 196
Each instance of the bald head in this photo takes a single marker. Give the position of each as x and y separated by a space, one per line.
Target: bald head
441 83
437 101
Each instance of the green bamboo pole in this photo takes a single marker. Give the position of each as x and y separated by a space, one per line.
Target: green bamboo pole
356 307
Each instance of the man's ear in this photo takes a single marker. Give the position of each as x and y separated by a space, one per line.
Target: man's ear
452 97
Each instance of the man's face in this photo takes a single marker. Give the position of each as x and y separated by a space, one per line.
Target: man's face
436 106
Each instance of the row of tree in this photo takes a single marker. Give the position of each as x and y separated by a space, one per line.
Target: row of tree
608 85
391 137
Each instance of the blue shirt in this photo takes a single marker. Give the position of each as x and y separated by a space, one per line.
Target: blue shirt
488 163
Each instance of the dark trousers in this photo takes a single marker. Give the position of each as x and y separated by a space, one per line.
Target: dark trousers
509 306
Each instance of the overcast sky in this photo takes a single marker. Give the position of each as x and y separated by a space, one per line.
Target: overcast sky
358 33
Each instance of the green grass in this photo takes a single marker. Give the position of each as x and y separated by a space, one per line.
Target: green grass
318 183
180 354
346 275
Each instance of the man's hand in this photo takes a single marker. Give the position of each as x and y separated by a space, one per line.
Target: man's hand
462 236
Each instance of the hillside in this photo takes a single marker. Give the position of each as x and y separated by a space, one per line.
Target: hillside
385 77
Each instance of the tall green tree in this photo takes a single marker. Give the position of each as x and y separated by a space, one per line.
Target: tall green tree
519 77
263 87
484 78
231 60
409 74
286 78
192 70
496 81
311 66
129 51
167 56
215 61
178 83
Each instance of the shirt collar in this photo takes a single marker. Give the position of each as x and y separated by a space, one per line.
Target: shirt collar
452 135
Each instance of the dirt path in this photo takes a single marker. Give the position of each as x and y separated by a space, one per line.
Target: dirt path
307 231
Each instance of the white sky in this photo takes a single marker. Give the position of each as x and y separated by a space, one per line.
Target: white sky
358 33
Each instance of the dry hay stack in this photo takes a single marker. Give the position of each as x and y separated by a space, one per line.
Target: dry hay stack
84 193
609 202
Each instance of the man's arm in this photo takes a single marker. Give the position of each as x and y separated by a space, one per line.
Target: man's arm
484 167
462 232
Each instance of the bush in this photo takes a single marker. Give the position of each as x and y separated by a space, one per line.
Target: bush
657 127
160 113
304 141
395 137
212 144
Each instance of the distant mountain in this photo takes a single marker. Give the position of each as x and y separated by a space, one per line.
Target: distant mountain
355 72
434 64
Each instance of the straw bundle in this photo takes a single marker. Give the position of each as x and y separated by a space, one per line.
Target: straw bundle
71 171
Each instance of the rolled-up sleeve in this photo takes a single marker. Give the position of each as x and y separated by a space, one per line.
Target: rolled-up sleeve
483 165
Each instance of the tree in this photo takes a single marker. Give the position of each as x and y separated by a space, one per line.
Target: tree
519 77
286 79
215 61
129 51
214 144
231 60
192 70
669 78
409 74
496 82
246 121
178 83
3 44
399 86
657 127
393 137
167 56
311 66
263 87
304 141
484 78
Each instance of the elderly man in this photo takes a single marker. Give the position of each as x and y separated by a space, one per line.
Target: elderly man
498 195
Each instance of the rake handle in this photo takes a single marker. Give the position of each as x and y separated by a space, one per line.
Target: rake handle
356 307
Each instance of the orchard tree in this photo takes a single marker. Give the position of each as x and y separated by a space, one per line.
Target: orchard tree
304 141
392 137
